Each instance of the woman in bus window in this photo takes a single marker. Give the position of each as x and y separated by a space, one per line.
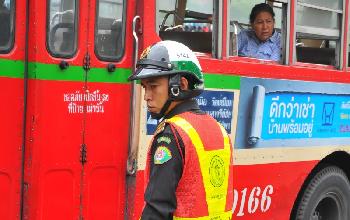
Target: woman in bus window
262 41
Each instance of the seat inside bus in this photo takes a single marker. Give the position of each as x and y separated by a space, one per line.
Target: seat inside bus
196 41
109 37
316 55
195 38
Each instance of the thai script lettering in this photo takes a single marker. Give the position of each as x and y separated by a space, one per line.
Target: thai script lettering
202 101
292 109
221 113
224 102
344 116
89 102
345 105
219 105
344 128
291 128
226 125
291 116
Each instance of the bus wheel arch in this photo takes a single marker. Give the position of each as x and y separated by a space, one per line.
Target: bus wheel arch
326 192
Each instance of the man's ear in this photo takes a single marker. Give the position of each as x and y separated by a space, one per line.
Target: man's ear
184 83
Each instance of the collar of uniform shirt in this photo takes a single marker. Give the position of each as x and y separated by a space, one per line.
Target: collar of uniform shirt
187 105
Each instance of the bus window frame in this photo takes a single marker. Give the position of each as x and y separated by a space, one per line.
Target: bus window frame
76 32
285 23
216 33
7 50
121 55
339 50
346 26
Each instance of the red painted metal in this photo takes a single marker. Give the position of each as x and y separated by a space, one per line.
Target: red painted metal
226 19
257 68
57 185
138 195
60 186
286 180
291 31
11 118
53 170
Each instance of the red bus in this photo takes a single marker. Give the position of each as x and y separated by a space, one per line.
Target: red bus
74 131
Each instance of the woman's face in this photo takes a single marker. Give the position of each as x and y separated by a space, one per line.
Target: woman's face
263 25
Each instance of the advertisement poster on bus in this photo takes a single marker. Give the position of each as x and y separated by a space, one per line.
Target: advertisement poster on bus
295 113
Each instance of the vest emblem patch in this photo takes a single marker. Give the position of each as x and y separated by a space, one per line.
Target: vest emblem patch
162 155
217 171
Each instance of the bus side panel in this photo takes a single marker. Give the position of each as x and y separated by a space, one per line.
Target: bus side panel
137 200
107 126
55 127
11 117
268 191
53 167
284 129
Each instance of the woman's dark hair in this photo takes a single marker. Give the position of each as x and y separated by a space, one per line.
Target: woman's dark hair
262 7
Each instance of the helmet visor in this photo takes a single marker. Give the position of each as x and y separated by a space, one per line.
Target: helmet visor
147 72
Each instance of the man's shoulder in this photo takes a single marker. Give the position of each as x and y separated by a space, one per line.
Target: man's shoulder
163 128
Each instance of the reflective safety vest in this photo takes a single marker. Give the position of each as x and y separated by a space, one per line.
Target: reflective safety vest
205 190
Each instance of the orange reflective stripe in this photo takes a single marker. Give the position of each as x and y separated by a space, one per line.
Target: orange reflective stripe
214 167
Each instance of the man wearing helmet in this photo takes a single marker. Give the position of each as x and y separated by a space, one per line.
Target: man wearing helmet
188 172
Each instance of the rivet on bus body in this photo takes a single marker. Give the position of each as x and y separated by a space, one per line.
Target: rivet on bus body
111 67
63 65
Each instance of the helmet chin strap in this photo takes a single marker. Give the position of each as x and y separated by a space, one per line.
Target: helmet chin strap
162 111
174 93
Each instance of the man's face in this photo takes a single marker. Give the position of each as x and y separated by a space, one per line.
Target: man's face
156 93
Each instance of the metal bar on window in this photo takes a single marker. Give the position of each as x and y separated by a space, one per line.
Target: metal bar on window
320 8
326 32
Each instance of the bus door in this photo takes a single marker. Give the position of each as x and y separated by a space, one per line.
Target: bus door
55 125
107 117
78 109
12 63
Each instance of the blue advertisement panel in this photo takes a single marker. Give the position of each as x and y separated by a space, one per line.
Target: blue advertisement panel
305 115
218 104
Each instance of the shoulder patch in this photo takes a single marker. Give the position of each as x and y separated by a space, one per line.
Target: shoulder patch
160 128
145 52
162 155
164 139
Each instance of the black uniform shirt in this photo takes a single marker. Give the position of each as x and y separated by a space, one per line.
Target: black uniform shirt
164 177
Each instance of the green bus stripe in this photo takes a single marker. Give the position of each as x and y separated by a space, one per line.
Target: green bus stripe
53 72
102 75
77 73
220 81
11 68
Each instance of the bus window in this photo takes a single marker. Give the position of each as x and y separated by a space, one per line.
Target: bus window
6 25
348 46
109 30
189 22
318 31
62 25
240 11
